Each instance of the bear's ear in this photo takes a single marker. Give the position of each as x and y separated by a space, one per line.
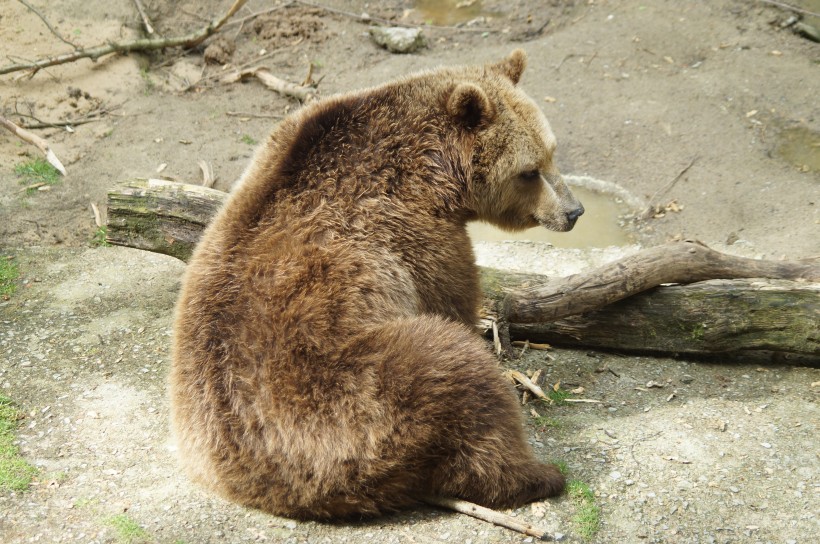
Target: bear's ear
512 67
469 105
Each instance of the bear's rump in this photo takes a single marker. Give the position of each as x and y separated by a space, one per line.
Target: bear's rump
374 428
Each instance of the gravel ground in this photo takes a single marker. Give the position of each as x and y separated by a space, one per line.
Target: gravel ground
675 451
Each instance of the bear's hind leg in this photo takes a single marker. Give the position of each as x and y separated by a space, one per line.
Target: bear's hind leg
451 402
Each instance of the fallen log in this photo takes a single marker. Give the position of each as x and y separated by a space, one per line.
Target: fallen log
620 306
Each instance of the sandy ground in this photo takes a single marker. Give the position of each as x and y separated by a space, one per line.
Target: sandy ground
635 91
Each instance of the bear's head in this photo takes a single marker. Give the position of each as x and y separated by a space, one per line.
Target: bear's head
514 183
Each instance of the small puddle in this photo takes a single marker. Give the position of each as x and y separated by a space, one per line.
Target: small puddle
450 12
800 146
600 226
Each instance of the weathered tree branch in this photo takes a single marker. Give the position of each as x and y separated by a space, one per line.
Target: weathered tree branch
700 318
146 44
303 93
619 306
678 262
32 138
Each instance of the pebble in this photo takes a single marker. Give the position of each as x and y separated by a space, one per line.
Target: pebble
398 39
686 378
733 489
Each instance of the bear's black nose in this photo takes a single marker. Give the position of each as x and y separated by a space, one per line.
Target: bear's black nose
573 215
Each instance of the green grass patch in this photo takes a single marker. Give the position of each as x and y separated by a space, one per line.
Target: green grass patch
245 139
546 421
36 171
15 473
84 502
562 466
148 83
128 531
587 519
100 238
9 272
558 396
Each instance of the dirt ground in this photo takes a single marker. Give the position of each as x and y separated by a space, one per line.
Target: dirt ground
636 92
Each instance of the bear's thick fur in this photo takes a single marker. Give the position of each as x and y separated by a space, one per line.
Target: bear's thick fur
324 360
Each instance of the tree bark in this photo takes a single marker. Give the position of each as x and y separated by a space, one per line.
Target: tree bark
161 216
619 306
717 316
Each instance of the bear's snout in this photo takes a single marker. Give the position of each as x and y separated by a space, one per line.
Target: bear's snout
572 216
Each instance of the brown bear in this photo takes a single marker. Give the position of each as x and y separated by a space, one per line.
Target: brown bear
325 363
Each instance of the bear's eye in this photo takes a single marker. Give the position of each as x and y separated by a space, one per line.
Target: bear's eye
531 175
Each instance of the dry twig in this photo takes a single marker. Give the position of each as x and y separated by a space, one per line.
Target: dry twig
32 138
303 94
145 21
531 345
790 7
45 21
97 217
247 18
521 378
147 44
90 117
253 115
653 202
525 398
489 515
208 178
32 187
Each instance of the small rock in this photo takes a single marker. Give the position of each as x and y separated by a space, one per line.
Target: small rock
733 489
290 525
686 378
615 475
398 39
766 445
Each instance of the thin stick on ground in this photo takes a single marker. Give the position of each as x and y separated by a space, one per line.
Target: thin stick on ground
492 516
32 138
521 378
253 115
653 202
90 117
45 21
303 94
145 21
252 16
790 7
146 44
97 216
